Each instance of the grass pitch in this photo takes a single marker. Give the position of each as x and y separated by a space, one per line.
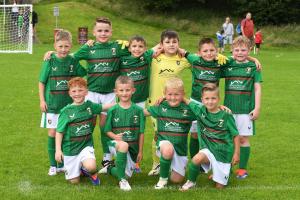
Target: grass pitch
274 163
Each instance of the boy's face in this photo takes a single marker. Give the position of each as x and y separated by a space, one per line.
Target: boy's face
124 92
62 48
78 93
137 48
208 52
210 100
240 53
102 32
170 46
174 96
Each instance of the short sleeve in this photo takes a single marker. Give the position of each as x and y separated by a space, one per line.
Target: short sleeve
82 53
153 110
196 108
44 75
62 124
108 126
231 126
192 58
185 63
257 77
81 71
148 55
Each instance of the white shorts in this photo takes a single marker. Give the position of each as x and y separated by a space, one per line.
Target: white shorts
130 165
244 124
228 39
219 169
178 162
49 120
194 123
141 104
99 98
73 164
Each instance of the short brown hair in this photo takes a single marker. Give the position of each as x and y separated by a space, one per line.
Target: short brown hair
241 41
211 87
104 20
63 35
137 38
170 34
77 81
206 40
174 83
124 80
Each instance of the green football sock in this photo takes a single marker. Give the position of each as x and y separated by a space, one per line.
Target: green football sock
164 167
244 157
119 170
193 172
51 151
194 147
104 139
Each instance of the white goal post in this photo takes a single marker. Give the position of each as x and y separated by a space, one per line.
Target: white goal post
16 28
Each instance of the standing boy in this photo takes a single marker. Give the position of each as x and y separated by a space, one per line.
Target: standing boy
243 96
218 139
173 124
125 126
53 89
74 136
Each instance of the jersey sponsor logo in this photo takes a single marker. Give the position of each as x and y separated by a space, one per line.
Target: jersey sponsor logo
208 72
166 70
72 116
164 109
127 133
113 51
92 51
54 68
64 82
237 82
221 123
133 73
116 119
86 126
71 68
135 119
101 67
171 124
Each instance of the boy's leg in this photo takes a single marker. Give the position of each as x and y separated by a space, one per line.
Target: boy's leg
89 168
121 159
244 156
75 180
194 144
51 151
155 159
104 139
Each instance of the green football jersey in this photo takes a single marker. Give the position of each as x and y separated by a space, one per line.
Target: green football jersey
215 132
55 75
203 72
103 65
130 122
138 70
239 86
77 123
173 124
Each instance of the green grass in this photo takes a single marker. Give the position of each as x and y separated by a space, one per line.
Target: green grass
274 164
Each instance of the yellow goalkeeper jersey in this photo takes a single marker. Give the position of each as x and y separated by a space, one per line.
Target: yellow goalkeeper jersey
163 68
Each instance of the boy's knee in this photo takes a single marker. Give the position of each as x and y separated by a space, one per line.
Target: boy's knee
74 180
167 151
122 146
176 178
199 158
90 165
244 140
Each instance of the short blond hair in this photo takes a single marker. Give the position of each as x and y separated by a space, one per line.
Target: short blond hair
174 83
124 80
77 81
63 35
241 41
210 87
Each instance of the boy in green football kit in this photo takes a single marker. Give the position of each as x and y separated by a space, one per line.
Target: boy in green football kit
218 139
243 96
53 89
174 120
103 68
74 136
125 126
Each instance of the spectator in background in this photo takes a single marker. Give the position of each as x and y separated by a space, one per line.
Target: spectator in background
34 22
247 27
228 32
258 40
220 37
238 28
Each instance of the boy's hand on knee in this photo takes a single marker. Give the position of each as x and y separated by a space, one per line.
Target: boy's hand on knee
221 59
118 137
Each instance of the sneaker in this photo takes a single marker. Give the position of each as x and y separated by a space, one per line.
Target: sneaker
107 164
52 171
60 170
162 183
155 170
94 179
188 185
124 185
241 173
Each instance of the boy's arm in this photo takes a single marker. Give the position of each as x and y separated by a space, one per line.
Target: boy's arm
141 144
236 154
106 107
256 61
58 153
43 104
146 112
113 136
47 55
254 114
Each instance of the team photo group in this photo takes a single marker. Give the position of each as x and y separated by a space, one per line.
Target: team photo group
121 83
